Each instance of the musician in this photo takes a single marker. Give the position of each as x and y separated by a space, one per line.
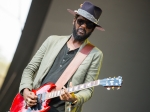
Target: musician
54 56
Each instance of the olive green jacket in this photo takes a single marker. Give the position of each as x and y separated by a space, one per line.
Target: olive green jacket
42 61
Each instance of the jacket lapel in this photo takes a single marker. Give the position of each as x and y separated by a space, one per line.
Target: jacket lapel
57 46
53 54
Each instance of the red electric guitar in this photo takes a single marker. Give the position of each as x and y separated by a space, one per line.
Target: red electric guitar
45 93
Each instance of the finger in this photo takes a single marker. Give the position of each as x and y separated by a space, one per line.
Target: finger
66 94
70 85
61 97
65 89
31 95
62 94
30 102
33 101
69 96
72 94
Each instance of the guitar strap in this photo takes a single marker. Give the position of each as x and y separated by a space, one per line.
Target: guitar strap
73 66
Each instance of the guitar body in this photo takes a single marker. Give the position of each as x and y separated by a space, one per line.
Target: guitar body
19 104
47 92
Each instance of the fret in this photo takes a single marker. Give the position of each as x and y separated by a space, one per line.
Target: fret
96 82
58 93
67 89
93 83
75 88
70 89
82 86
54 94
50 95
88 85
61 92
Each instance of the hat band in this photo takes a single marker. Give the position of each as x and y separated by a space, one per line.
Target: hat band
87 15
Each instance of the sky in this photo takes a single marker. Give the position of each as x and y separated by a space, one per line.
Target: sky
13 14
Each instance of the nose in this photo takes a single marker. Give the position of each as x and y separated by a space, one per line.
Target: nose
84 25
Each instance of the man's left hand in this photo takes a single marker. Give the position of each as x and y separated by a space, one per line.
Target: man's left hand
66 96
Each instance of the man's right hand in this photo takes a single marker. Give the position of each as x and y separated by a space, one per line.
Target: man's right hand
29 97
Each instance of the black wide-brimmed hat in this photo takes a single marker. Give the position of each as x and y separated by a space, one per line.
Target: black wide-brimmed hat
90 12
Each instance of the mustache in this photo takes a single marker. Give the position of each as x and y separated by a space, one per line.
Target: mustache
82 30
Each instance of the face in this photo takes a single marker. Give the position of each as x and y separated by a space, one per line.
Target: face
82 28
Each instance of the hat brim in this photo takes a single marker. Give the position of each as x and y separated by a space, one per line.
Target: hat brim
74 13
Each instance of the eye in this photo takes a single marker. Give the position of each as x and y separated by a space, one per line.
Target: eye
80 21
90 25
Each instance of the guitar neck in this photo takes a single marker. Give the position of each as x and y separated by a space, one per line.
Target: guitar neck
57 93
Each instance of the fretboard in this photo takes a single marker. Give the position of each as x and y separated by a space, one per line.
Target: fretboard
57 93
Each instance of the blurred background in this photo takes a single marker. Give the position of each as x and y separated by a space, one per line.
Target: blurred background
25 24
13 16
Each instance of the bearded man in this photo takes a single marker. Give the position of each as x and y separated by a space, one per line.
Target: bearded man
56 53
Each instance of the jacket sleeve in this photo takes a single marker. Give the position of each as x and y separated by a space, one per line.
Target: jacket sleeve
92 75
30 70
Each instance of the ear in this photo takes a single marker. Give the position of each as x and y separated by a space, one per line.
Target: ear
73 22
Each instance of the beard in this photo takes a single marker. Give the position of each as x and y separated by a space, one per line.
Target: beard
79 37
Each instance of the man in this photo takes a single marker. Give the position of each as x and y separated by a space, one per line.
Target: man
54 56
